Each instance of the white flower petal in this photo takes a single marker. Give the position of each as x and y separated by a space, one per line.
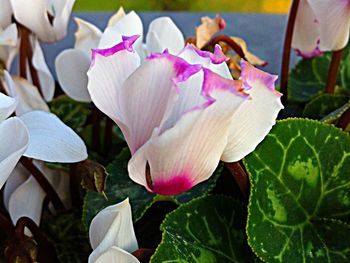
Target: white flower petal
112 226
255 117
87 36
7 106
188 152
306 36
164 34
51 140
72 66
116 17
18 176
46 80
62 11
129 25
5 13
27 200
334 19
14 142
28 97
8 44
116 255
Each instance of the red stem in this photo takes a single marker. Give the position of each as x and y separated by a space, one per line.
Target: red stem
229 41
43 182
23 46
344 120
108 135
287 50
96 116
240 176
333 71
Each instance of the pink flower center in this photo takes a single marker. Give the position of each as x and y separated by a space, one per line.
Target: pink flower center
175 185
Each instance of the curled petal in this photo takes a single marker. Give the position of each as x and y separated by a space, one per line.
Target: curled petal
255 117
51 140
5 13
216 61
27 200
188 150
306 34
72 66
116 255
28 97
112 226
8 44
334 19
14 142
7 106
207 29
87 36
128 25
164 34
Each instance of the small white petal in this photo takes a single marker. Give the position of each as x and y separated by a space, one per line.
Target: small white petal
164 34
51 140
7 106
72 66
62 10
46 80
112 226
87 36
8 44
116 17
5 13
28 97
14 142
116 255
27 200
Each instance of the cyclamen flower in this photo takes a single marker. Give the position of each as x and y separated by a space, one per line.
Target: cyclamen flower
179 119
48 19
321 25
73 64
112 235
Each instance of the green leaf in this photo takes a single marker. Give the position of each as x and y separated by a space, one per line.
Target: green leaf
299 207
335 115
323 105
308 78
119 186
71 112
207 229
67 233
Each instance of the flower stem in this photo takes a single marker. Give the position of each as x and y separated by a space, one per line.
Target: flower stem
43 182
240 176
6 225
95 119
108 135
287 50
143 254
229 41
333 71
344 120
23 46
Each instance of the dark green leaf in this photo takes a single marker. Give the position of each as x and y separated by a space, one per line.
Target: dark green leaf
207 229
299 207
323 105
71 112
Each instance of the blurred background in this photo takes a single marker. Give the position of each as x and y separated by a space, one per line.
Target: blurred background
256 6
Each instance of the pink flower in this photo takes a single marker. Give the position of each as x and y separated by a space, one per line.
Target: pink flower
181 115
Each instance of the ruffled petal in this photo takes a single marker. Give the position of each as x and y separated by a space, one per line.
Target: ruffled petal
87 36
334 19
51 140
110 68
27 200
189 151
255 117
306 36
7 106
28 97
116 255
72 66
164 34
14 142
128 25
112 226
149 94
5 13
216 61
